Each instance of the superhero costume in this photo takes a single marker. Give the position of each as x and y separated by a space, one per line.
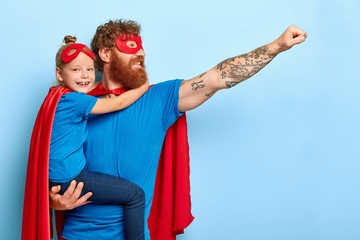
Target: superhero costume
130 141
169 215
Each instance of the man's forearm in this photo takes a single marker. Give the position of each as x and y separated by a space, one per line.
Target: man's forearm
237 69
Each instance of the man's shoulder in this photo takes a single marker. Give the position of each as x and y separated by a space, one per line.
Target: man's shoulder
170 84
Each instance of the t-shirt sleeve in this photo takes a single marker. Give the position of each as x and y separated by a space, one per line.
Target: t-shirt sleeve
78 105
168 92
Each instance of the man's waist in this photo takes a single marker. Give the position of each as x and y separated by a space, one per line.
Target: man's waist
96 213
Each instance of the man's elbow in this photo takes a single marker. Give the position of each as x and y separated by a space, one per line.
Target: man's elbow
215 81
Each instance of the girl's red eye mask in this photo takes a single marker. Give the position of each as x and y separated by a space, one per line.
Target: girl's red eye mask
67 55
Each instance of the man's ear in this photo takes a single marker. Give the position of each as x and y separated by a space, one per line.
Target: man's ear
105 54
58 75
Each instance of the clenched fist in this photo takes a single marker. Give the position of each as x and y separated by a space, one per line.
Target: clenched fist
292 36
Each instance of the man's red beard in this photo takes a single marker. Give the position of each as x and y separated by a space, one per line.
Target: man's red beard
122 73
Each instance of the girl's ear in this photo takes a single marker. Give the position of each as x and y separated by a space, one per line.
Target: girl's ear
58 74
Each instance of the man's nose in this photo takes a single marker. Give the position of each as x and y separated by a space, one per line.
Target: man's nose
141 52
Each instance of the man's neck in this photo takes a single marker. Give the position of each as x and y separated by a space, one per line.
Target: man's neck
108 82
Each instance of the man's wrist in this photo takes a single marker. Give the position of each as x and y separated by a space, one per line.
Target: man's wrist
274 47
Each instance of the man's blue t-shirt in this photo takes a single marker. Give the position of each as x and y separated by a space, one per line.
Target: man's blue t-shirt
68 135
127 144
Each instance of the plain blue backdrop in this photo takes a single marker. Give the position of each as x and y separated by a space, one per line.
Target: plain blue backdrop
276 157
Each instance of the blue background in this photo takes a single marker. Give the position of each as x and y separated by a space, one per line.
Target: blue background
276 157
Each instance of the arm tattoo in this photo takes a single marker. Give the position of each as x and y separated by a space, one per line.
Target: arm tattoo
202 74
230 84
240 68
196 85
210 94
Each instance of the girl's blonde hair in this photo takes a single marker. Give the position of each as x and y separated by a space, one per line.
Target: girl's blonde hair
68 40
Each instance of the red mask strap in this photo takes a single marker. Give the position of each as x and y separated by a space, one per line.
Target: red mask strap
123 39
66 57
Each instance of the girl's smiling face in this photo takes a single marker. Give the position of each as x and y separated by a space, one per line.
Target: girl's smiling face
78 75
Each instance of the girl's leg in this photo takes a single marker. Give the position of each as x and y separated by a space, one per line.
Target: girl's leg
115 190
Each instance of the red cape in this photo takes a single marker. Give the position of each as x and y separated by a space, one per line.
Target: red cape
170 212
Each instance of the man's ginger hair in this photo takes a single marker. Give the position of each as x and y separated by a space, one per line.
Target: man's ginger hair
106 34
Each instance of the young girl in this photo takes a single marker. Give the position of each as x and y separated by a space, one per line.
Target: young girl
75 70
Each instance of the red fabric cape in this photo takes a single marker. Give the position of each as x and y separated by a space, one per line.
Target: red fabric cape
170 212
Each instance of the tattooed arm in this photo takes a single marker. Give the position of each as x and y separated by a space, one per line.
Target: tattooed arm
234 70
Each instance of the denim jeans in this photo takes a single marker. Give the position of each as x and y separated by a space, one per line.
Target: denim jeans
114 190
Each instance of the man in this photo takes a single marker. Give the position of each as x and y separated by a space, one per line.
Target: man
128 143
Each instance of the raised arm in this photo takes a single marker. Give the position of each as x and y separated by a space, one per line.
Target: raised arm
119 102
234 70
